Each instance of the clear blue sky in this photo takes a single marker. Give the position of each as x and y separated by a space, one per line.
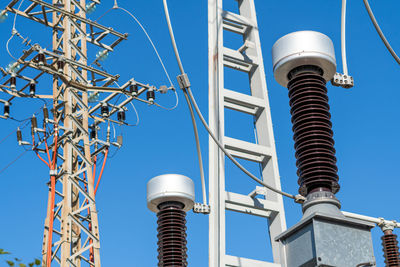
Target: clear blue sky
365 120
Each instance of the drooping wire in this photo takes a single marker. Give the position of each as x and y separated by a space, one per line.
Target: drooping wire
13 161
174 107
193 102
7 48
116 6
198 148
192 116
21 125
13 31
378 29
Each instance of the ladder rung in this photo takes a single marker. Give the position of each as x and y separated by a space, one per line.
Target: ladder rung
246 150
236 60
236 23
252 206
242 102
232 261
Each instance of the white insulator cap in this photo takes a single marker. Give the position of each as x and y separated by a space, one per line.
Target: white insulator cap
170 187
303 48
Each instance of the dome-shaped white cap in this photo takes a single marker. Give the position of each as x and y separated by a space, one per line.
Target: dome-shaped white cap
170 187
303 48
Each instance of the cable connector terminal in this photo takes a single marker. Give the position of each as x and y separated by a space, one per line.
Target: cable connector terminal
299 199
342 80
183 81
201 208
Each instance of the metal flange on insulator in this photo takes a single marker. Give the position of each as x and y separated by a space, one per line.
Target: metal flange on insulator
170 187
303 48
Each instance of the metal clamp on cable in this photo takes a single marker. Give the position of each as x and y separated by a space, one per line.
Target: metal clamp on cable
53 172
342 80
183 81
201 208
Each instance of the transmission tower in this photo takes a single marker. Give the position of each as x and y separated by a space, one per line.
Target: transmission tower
261 202
68 137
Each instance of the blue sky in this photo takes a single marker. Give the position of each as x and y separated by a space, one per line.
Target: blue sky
365 124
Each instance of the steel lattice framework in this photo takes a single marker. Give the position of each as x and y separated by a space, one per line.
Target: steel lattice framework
260 202
71 235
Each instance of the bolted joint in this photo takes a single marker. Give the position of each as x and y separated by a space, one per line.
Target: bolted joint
386 225
341 80
201 208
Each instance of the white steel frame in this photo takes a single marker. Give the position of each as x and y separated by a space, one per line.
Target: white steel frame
247 58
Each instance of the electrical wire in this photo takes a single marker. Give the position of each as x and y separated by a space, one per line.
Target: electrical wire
343 38
13 31
188 91
145 32
13 161
174 107
196 134
7 48
230 156
101 171
378 29
155 50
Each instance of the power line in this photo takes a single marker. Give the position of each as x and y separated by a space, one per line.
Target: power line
13 161
188 91
378 29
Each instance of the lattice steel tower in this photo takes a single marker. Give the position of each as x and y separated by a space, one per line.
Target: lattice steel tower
248 59
69 138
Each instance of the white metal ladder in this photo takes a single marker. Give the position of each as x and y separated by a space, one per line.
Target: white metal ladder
247 58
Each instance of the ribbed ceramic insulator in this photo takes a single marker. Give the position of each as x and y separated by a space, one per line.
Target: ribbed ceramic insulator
171 235
391 249
312 128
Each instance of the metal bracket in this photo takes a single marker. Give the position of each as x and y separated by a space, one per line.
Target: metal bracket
183 81
260 190
201 208
341 80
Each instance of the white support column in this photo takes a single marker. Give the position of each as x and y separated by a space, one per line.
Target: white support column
248 59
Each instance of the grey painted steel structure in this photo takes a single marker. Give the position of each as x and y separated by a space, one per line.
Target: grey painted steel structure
248 59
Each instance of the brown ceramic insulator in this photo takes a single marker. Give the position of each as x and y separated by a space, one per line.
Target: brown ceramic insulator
391 249
313 135
171 235
41 58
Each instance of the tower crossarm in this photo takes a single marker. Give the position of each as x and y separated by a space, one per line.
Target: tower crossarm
97 34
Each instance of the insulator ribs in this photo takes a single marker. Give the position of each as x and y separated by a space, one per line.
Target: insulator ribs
313 133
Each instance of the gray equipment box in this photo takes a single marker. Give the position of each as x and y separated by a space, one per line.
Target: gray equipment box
324 240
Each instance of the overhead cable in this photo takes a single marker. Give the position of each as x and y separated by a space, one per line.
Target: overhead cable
193 102
343 38
192 116
116 6
378 29
13 31
13 161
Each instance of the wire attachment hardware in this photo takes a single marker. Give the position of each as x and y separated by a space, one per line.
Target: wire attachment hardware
201 208
342 80
183 81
